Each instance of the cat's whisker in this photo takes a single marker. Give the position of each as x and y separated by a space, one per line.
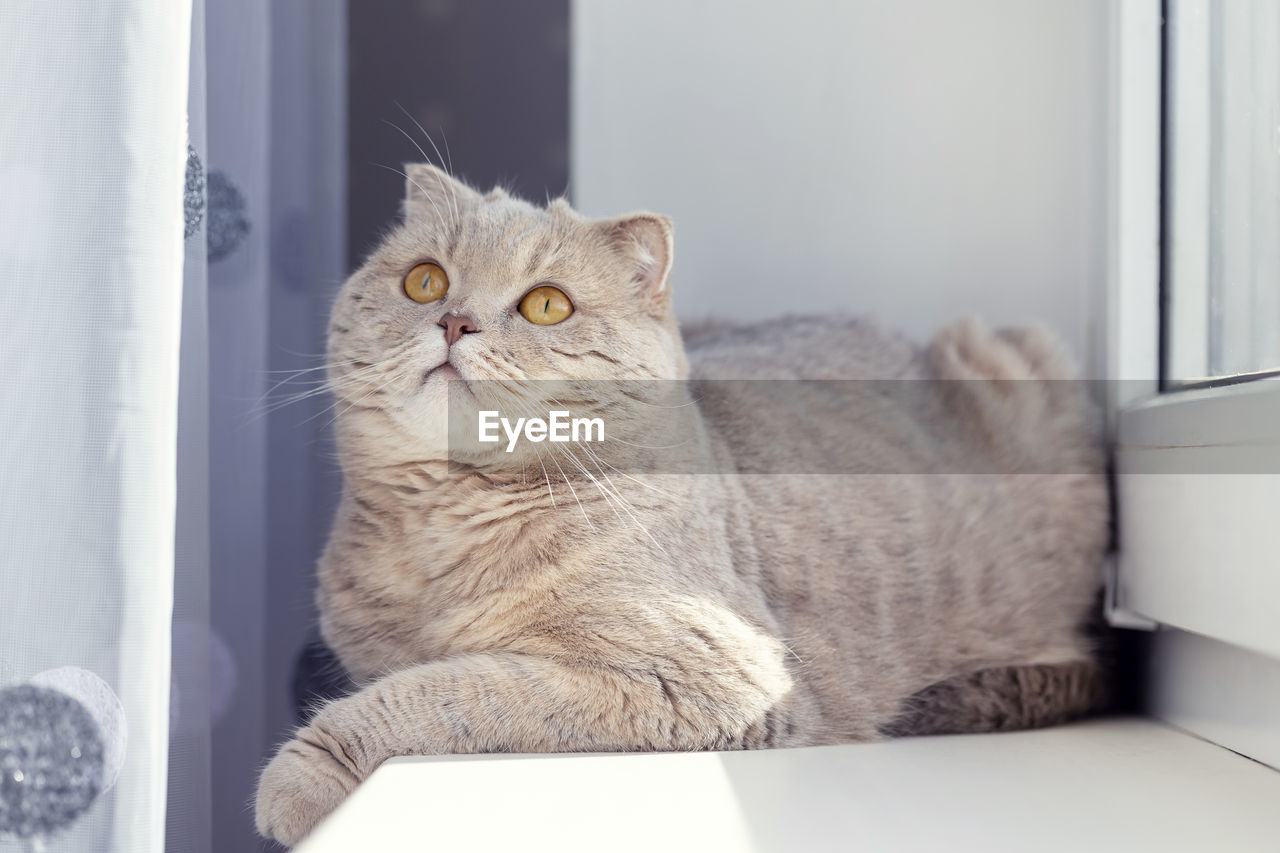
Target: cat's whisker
300 370
692 402
338 401
524 409
650 446
279 403
265 406
355 404
293 380
427 158
622 501
261 411
635 518
457 215
595 460
648 486
323 382
390 366
423 130
403 174
406 135
573 492
292 376
447 152
603 492
327 388
306 355
599 461
547 479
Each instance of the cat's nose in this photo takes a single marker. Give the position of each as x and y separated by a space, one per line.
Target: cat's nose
455 326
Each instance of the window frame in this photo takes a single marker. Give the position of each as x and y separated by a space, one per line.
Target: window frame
1196 542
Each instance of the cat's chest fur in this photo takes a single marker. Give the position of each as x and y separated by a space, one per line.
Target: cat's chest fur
422 566
418 569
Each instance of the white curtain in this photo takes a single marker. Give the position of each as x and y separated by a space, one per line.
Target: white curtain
169 243
93 154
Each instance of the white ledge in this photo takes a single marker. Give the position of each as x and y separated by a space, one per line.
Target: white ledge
1118 784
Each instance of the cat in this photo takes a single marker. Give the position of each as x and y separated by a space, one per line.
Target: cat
487 606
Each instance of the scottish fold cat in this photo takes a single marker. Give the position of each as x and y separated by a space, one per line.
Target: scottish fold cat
576 597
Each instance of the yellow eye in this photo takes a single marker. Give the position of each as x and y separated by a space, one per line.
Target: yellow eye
545 305
426 283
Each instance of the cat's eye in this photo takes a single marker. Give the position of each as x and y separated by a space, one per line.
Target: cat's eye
426 283
545 305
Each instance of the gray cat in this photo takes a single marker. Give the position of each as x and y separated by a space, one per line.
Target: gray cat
558 600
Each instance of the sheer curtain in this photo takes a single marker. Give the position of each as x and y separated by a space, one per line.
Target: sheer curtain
169 243
93 159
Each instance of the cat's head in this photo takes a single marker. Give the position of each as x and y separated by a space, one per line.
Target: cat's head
480 287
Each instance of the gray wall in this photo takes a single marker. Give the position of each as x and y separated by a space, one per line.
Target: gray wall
489 76
237 35
275 128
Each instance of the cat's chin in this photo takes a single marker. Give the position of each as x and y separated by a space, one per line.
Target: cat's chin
443 373
424 419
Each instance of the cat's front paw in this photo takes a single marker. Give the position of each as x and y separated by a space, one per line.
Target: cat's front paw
301 786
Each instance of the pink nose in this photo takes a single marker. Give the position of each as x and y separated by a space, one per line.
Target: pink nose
455 326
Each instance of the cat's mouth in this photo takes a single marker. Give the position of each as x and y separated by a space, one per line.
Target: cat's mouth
444 371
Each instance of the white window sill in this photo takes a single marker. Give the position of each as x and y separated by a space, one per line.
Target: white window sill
1117 784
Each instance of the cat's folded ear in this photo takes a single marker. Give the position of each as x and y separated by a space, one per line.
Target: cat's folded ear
645 242
431 194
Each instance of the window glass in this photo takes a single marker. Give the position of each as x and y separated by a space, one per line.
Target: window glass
1222 188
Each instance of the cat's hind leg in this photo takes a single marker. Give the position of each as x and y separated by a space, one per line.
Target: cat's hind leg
968 350
1003 699
1017 393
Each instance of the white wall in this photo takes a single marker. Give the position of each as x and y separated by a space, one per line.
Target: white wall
912 159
